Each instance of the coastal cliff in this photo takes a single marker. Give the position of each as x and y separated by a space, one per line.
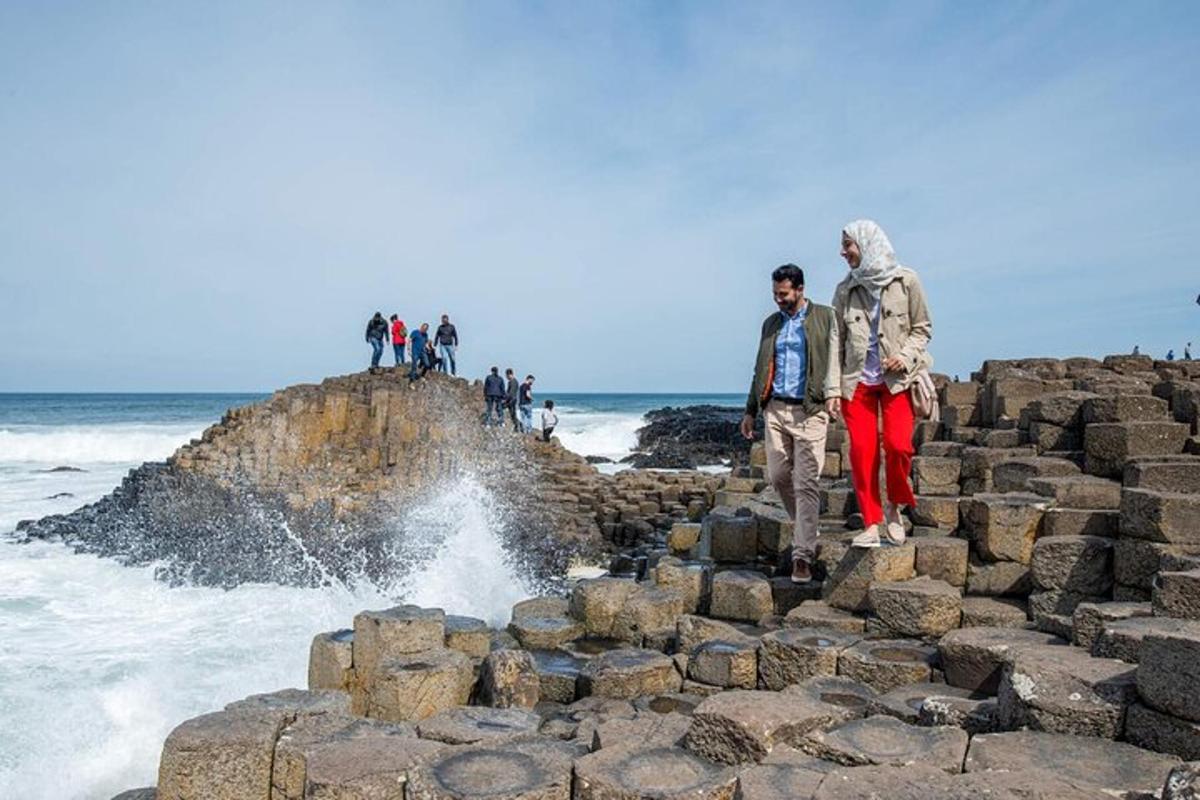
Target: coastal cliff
319 483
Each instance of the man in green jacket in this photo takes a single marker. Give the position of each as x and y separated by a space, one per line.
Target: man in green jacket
797 384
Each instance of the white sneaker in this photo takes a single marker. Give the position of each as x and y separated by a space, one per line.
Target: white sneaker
894 523
868 538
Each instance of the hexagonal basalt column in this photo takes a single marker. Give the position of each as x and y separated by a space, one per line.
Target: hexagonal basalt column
1065 690
886 740
527 770
740 726
661 773
887 663
921 607
793 655
380 635
626 674
414 686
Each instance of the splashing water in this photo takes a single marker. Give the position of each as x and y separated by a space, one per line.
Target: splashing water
102 661
462 564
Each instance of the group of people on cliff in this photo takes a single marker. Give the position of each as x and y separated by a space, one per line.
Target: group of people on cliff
427 352
864 357
505 395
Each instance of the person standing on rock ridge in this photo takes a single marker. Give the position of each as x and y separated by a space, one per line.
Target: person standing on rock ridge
417 340
796 386
511 390
493 397
447 340
884 326
399 338
377 329
549 420
525 404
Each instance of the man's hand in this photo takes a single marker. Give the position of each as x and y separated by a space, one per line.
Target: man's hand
748 427
832 407
894 364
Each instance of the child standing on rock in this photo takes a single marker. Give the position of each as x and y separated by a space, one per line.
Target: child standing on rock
549 420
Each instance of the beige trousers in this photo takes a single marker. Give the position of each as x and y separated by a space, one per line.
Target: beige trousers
795 454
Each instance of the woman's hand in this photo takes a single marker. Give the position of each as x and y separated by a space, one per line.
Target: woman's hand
832 406
894 364
747 427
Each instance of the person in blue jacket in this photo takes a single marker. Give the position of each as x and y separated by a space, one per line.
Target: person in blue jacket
417 340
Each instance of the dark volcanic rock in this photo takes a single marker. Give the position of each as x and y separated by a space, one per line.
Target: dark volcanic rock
682 438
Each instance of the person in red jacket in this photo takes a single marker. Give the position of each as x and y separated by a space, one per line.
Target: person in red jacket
399 338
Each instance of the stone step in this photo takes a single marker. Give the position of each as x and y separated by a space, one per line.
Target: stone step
1109 445
1063 689
1179 474
522 770
1110 768
1090 619
739 727
991 612
1078 491
1014 474
922 607
1177 594
1003 527
1124 638
1160 516
793 655
1124 408
884 664
1080 522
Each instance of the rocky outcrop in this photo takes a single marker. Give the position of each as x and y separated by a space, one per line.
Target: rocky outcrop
689 437
320 483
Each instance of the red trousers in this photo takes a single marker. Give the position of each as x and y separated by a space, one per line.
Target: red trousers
862 413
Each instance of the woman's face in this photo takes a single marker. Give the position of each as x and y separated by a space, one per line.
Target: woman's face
850 251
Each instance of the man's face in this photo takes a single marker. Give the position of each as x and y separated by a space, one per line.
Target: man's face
788 297
850 252
425 328
445 319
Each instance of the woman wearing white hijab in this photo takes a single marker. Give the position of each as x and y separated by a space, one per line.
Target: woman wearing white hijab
885 326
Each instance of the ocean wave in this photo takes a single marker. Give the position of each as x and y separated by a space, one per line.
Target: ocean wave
610 435
100 444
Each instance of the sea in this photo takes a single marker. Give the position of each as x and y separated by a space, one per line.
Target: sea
100 661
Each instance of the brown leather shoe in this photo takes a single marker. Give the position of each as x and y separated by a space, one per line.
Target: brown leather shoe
801 571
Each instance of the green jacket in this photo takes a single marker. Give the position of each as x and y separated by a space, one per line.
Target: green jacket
823 377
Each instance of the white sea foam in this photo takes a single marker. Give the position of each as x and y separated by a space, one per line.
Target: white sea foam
106 660
98 444
593 434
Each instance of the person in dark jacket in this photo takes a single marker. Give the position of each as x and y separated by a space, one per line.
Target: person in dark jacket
446 339
377 329
417 340
511 388
796 386
525 404
493 395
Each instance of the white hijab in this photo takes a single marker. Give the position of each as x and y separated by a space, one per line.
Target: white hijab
879 266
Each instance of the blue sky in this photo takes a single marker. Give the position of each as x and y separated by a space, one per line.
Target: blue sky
216 196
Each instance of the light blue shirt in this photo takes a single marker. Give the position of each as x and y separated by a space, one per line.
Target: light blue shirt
872 374
791 356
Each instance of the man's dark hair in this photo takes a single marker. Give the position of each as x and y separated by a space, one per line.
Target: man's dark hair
529 378
393 318
495 370
789 272
508 371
